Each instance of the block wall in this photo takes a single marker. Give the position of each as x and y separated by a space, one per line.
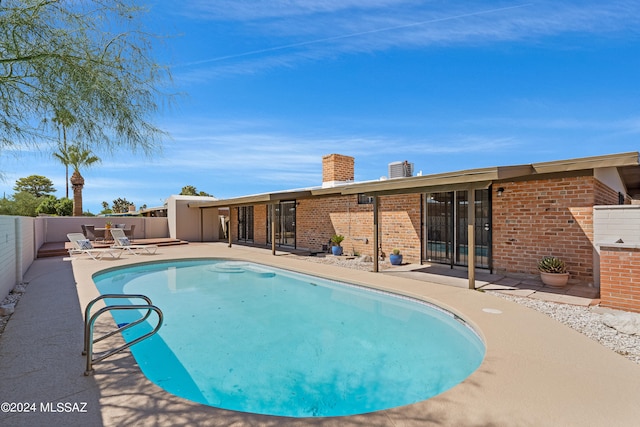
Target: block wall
620 278
8 259
554 216
17 250
617 222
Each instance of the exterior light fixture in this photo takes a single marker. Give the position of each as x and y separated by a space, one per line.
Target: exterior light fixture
500 191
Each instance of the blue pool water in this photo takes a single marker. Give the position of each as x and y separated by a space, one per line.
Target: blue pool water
252 338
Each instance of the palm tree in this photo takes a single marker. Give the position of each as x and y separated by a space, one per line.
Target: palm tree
63 156
77 157
64 119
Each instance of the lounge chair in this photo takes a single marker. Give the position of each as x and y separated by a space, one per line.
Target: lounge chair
82 245
122 242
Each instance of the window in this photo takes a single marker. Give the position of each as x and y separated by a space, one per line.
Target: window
364 199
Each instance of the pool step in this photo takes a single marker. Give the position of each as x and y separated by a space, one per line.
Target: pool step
241 267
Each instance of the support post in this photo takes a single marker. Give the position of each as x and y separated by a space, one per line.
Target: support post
230 224
471 238
376 253
201 225
273 229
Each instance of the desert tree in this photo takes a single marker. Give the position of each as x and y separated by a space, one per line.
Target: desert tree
37 185
190 190
90 60
121 205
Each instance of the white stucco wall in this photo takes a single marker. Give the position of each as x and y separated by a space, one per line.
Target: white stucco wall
192 224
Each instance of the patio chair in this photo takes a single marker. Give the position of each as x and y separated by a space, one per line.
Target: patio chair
88 231
82 245
122 242
129 232
91 233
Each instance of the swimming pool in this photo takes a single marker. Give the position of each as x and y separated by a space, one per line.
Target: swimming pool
251 338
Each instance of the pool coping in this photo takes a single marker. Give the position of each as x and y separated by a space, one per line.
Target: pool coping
536 371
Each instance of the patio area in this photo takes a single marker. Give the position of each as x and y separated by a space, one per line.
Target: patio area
536 371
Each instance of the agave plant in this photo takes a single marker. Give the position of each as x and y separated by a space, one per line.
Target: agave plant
551 264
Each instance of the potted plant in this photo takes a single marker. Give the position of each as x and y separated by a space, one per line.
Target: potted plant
553 271
396 257
336 249
108 225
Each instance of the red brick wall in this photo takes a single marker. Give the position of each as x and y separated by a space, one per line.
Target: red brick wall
260 224
319 219
620 278
233 223
400 225
604 195
533 219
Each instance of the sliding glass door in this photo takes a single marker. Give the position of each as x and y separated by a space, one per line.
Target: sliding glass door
285 223
446 221
245 224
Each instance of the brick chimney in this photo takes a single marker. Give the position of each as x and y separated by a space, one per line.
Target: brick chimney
336 169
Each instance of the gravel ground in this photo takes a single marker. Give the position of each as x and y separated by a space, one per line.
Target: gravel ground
585 320
12 298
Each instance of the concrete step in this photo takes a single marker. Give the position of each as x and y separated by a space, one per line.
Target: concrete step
56 249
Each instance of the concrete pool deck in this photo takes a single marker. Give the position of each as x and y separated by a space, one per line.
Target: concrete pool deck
536 371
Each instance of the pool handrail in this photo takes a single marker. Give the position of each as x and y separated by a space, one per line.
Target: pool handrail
89 322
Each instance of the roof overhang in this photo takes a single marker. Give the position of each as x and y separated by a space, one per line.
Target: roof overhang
472 178
628 165
256 199
631 177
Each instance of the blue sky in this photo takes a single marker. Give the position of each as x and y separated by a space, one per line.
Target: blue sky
271 86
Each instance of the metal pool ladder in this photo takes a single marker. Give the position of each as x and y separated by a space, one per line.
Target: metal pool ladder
89 321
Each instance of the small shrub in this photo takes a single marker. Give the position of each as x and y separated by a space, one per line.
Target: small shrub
337 239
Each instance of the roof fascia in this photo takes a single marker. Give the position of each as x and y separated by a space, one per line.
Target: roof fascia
253 200
422 183
611 160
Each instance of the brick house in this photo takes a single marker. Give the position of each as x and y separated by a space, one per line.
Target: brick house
519 213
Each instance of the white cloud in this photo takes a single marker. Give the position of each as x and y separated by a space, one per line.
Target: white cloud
312 30
262 9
